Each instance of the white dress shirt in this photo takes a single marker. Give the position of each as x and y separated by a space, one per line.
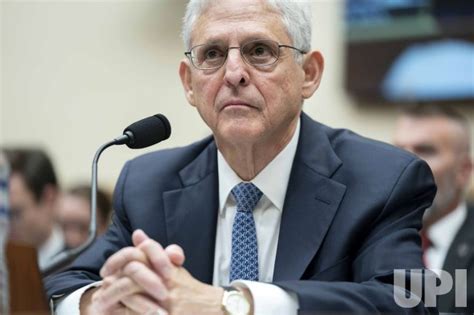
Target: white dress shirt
441 235
273 182
53 245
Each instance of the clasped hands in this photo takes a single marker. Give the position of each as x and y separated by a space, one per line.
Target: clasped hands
149 279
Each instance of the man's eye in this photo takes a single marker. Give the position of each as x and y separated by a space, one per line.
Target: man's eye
213 54
261 50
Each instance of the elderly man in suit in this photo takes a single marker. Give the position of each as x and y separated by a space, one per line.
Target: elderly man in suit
274 213
441 136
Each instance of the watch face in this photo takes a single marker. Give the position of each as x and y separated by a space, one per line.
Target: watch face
237 304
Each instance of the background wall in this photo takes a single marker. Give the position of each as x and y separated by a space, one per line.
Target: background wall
75 73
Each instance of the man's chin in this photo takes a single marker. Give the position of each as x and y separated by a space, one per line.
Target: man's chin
237 131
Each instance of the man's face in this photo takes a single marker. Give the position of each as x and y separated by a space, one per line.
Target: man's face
435 140
30 219
74 216
240 103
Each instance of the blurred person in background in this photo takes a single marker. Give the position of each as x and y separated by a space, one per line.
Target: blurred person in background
33 193
441 137
4 228
73 212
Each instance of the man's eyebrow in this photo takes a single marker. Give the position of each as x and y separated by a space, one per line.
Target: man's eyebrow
247 39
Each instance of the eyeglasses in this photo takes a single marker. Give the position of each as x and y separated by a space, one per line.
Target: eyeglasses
258 53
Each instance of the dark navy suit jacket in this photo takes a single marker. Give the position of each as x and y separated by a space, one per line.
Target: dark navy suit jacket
460 256
351 216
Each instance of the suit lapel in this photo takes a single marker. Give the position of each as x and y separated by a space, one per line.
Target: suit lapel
191 214
459 255
311 202
461 250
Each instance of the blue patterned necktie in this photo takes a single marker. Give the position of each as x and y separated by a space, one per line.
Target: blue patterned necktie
244 257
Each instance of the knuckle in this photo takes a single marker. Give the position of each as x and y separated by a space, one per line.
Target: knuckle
127 252
152 245
172 298
119 258
123 287
133 268
107 282
147 242
96 297
160 261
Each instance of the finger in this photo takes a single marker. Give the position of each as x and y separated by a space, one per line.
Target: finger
119 309
92 306
157 257
105 299
176 254
146 279
138 237
120 259
141 304
109 280
158 311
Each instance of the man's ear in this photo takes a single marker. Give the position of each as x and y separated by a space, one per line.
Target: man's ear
185 75
465 170
313 66
49 196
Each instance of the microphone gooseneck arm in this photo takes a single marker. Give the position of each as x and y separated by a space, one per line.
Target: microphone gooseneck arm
141 134
65 257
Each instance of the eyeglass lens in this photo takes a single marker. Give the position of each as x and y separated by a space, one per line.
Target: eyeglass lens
258 53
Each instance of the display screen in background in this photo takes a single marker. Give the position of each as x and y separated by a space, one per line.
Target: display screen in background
410 50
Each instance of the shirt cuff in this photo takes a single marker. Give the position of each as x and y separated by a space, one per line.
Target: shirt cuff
269 298
69 305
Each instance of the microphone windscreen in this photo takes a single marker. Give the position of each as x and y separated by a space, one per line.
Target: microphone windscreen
148 131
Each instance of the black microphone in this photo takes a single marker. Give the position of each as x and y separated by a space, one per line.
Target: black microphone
141 134
145 132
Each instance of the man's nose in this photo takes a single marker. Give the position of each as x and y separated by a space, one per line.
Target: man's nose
236 69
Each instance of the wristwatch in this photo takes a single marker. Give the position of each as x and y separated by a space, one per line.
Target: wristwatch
234 302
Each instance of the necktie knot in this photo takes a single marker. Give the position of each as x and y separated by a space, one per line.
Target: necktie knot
247 196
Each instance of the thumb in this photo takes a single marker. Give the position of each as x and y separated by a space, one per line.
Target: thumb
138 237
175 254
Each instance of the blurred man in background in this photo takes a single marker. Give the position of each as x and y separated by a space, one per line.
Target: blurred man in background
4 228
74 214
441 137
33 193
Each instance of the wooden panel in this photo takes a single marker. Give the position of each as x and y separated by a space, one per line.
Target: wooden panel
26 286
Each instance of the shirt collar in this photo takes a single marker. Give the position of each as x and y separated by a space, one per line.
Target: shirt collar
53 245
274 190
442 233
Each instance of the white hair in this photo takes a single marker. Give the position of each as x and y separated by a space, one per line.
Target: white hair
295 15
